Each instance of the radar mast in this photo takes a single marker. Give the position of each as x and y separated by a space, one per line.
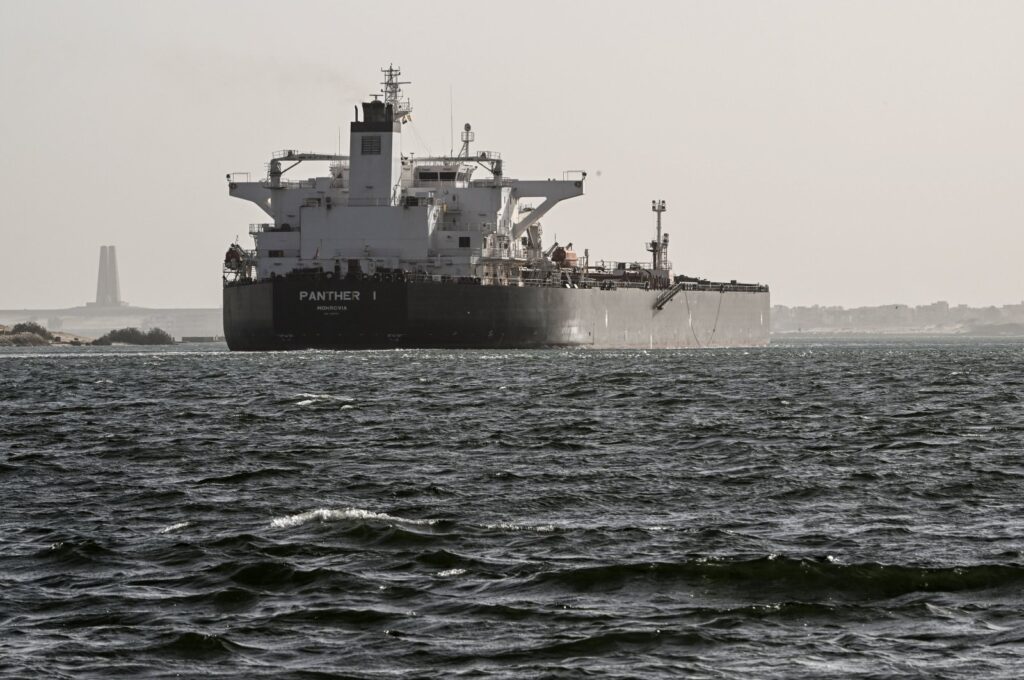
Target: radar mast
467 136
393 93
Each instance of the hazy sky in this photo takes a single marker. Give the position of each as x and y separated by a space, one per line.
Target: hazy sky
851 153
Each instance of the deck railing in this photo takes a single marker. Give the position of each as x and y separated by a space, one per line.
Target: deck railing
605 285
270 227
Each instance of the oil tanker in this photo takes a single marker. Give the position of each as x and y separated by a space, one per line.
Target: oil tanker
387 249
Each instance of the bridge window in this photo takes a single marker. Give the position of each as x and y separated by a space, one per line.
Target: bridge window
371 145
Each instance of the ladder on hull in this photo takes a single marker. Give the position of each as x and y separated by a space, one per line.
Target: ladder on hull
663 299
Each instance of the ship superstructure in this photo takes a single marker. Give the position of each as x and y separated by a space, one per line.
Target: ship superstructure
383 248
380 210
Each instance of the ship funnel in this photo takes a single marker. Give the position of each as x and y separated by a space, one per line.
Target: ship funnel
377 111
375 149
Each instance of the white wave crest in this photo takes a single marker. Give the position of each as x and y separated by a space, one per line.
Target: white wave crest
174 527
306 398
509 526
328 515
451 572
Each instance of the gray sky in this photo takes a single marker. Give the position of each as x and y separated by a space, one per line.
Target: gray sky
852 153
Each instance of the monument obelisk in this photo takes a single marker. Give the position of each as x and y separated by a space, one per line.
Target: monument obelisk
108 287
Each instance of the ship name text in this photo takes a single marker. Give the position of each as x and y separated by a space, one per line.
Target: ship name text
329 295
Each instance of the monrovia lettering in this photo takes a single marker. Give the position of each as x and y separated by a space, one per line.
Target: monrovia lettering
329 295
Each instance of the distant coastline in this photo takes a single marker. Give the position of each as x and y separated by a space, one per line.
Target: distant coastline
939 318
31 334
93 321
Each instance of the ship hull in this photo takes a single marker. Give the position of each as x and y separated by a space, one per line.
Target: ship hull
296 313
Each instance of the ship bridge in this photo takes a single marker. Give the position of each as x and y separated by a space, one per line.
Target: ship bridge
380 209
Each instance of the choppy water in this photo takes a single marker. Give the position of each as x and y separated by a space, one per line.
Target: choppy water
804 510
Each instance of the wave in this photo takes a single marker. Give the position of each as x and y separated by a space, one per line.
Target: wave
269 575
451 572
796 578
348 514
606 644
174 527
306 399
198 646
230 598
247 475
80 552
336 616
512 526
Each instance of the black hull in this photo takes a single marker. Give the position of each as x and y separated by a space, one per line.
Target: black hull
295 313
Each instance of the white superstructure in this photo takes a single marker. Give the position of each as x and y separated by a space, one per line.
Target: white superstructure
380 209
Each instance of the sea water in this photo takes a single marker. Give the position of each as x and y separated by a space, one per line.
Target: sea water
809 509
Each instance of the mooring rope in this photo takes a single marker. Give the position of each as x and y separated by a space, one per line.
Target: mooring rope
689 318
714 329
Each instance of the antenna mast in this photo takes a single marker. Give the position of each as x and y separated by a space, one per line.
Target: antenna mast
393 93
